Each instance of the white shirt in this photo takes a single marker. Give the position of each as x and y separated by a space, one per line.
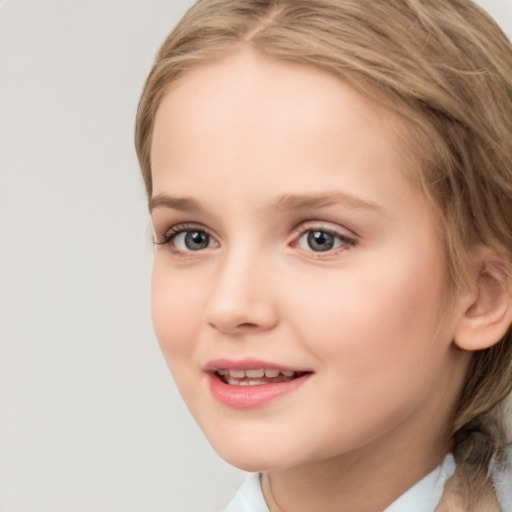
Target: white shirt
424 496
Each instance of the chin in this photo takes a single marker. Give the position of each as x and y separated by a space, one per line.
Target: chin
254 463
254 457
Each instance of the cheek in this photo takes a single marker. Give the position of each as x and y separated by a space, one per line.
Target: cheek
374 337
375 319
175 313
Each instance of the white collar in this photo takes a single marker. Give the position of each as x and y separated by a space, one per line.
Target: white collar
424 496
421 497
249 497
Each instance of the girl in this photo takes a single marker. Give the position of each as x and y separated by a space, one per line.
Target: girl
330 185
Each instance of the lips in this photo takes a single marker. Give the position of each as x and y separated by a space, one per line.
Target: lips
250 384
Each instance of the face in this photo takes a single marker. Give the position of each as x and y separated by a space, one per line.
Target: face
299 278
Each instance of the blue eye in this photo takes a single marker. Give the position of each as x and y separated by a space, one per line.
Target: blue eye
183 238
319 240
192 240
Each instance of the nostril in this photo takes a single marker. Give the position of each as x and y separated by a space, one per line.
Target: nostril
247 326
243 326
235 316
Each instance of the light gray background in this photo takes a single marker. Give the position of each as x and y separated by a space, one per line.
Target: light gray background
89 417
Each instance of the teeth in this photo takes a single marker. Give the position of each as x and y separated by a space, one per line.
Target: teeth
258 373
255 374
247 382
238 374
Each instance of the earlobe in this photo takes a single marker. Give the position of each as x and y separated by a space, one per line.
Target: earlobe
487 311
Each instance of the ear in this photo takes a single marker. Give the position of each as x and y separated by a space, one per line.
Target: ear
487 306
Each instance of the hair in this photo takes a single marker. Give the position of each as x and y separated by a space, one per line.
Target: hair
446 69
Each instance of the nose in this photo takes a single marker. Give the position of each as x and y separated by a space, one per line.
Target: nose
242 300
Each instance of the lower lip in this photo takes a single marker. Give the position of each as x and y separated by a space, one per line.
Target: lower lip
249 397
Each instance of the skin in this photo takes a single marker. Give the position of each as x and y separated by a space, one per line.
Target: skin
364 317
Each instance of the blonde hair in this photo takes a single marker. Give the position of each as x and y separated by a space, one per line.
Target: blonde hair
446 69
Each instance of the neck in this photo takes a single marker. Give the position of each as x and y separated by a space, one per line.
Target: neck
366 480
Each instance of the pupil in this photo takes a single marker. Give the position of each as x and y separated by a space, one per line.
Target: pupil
320 241
196 240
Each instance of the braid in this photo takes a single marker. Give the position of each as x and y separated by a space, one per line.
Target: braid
480 448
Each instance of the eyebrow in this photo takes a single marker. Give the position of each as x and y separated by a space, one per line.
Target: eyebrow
283 203
303 202
184 204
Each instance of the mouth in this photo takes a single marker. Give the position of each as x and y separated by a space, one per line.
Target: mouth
256 377
252 384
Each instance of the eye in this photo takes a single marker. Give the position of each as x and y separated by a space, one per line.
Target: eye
194 240
183 238
322 240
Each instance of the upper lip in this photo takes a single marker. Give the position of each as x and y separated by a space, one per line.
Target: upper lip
247 364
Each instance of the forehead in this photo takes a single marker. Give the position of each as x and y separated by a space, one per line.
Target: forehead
248 114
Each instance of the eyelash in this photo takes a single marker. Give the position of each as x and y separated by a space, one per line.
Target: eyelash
178 229
311 228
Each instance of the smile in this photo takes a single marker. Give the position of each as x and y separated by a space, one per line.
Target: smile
256 377
247 385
